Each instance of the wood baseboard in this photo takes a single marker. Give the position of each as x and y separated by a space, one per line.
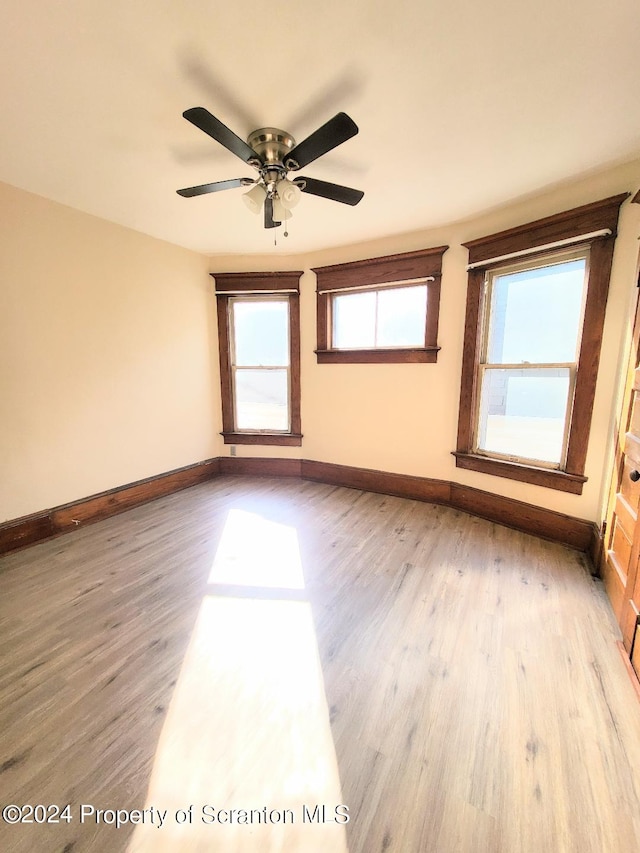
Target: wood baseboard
512 513
382 482
260 466
522 516
33 528
575 532
20 532
596 550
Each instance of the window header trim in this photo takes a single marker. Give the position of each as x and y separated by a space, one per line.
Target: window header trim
230 283
568 224
388 269
548 247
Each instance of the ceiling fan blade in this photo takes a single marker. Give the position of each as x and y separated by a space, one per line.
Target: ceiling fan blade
269 221
336 131
209 124
215 187
335 192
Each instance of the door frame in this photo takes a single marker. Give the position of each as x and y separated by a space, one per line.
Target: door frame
626 618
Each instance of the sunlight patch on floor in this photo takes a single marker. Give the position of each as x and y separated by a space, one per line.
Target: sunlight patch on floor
255 551
248 725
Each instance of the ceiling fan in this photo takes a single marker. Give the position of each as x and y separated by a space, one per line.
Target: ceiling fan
274 153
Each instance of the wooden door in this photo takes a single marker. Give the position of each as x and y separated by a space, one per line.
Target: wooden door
620 570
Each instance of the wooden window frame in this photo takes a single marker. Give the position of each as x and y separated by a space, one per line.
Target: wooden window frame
262 284
374 274
583 226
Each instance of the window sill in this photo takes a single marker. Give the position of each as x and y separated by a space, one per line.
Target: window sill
284 439
410 355
549 479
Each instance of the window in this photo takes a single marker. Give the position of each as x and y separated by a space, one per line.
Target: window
381 310
259 342
260 363
535 311
528 361
372 319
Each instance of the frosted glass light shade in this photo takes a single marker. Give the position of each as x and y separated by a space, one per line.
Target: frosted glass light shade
254 199
280 212
288 193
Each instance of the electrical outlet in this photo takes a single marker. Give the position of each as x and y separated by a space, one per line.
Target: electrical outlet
232 451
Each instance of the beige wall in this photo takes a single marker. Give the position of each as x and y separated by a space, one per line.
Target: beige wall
403 418
108 369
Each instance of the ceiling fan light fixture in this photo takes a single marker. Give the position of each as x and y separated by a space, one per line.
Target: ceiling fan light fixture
280 212
254 199
288 193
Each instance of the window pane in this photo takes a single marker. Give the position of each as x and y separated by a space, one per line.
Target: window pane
523 412
535 314
402 315
398 319
261 331
354 321
262 399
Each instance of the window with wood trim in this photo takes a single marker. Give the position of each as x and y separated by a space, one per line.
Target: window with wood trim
380 310
259 344
536 302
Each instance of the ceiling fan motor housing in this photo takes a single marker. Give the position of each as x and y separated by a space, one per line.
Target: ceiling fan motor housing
271 144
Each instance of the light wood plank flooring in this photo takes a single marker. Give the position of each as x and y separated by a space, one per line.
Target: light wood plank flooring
270 646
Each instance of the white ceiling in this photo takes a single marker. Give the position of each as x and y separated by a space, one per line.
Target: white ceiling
462 106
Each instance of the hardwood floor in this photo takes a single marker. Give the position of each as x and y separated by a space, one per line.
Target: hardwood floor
272 645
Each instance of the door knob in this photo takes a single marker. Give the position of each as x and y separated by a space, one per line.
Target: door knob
634 476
